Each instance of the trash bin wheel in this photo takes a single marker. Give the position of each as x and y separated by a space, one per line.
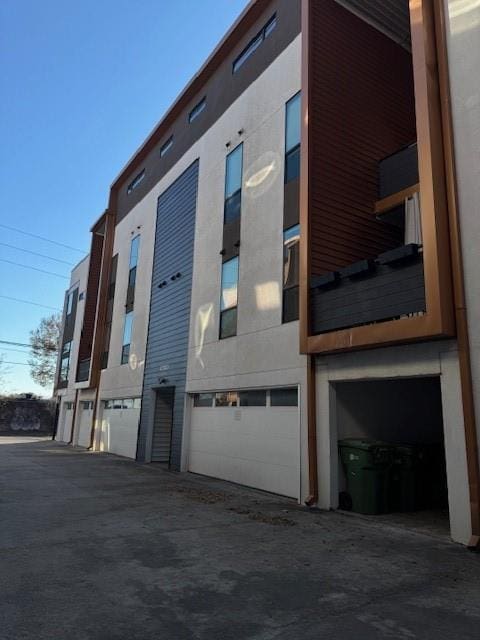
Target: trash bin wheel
345 501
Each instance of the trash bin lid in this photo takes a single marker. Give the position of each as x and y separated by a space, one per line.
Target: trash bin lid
362 443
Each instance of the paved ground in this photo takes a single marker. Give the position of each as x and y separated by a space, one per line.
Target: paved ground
97 547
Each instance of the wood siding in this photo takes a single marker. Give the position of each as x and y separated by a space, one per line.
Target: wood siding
91 297
361 110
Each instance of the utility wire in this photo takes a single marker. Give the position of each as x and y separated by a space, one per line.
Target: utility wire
35 304
32 235
25 364
26 266
34 253
15 344
26 353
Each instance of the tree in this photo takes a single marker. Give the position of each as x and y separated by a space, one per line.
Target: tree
44 342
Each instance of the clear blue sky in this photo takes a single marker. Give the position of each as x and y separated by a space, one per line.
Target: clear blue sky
82 84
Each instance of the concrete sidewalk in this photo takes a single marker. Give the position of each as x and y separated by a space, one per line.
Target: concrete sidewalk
97 547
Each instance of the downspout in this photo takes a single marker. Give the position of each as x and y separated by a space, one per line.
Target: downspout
463 340
312 498
74 417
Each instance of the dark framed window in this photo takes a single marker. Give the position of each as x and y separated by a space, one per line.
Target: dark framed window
65 361
253 398
127 337
203 400
285 397
69 305
293 120
226 399
197 109
132 273
229 299
254 43
291 266
233 184
136 181
166 146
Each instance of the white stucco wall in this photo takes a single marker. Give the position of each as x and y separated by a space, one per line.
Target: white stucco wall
78 279
428 359
264 352
463 44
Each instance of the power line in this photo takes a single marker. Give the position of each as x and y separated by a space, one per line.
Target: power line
15 344
26 353
26 266
34 253
35 304
25 364
32 235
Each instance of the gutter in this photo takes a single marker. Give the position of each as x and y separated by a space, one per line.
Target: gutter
463 340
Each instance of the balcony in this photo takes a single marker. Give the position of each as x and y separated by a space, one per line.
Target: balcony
83 370
389 285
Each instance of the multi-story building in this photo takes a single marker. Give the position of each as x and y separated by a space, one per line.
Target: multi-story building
289 258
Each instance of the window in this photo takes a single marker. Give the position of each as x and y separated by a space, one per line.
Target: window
292 138
226 399
254 43
291 262
253 398
197 110
136 181
132 274
122 403
81 296
127 336
166 146
87 405
69 303
65 361
203 400
233 184
228 302
69 406
287 397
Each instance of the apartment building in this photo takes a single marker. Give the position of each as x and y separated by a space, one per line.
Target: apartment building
289 258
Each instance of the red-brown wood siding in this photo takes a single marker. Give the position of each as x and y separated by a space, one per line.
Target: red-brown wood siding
86 340
361 110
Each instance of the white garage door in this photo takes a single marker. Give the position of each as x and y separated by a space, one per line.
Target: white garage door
233 438
65 422
84 421
119 426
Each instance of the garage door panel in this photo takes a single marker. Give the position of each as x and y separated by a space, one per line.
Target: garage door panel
267 477
266 422
246 445
84 428
257 447
119 431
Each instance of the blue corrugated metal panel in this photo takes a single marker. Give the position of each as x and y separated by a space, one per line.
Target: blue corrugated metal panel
167 343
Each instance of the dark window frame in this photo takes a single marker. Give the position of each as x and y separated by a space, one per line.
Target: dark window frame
231 310
166 146
254 43
197 109
136 181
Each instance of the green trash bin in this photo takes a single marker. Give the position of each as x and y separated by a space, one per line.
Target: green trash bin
406 472
367 468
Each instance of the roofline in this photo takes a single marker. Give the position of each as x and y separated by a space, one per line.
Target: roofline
241 25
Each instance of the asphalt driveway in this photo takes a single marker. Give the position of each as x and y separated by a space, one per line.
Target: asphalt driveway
97 547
